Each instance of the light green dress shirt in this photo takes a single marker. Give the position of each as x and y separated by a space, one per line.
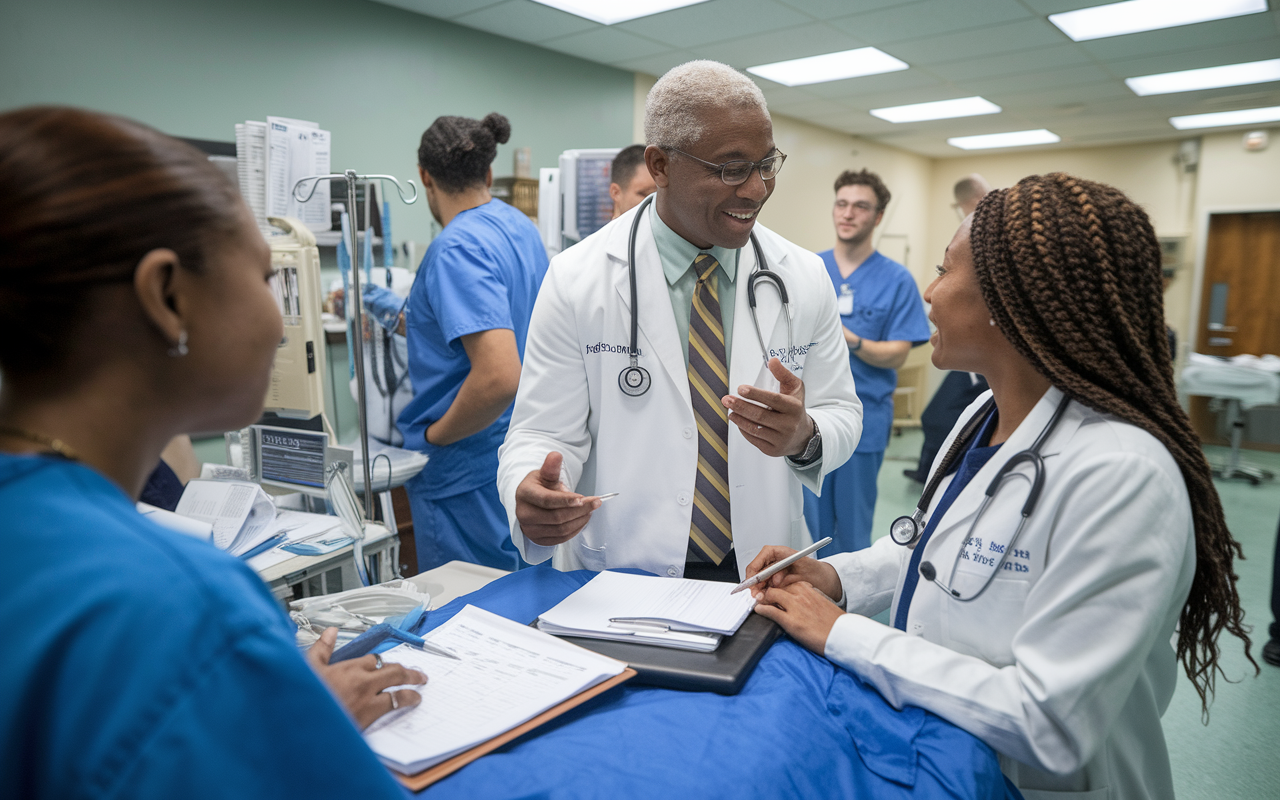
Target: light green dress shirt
677 255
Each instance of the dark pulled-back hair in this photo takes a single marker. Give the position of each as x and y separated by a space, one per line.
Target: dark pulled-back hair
625 164
865 177
86 196
1070 271
457 151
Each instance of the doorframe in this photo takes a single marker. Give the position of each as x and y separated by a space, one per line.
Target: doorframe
1202 249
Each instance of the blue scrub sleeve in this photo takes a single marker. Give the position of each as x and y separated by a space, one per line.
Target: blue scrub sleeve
254 721
467 292
907 320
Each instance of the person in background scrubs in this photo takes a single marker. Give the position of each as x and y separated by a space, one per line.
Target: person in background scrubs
883 319
467 319
629 180
139 662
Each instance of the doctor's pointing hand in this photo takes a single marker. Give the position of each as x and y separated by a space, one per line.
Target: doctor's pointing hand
776 423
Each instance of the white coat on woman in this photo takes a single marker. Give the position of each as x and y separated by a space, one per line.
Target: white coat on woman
646 447
1064 664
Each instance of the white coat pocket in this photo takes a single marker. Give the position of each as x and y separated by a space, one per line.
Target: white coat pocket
986 626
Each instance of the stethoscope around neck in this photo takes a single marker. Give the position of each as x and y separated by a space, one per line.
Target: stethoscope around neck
906 531
634 380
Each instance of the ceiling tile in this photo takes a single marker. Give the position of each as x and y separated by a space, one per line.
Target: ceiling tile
809 109
1195 59
993 39
525 21
607 45
1048 7
1031 81
781 45
656 65
1182 39
443 9
1060 98
905 96
929 18
1064 56
715 21
830 9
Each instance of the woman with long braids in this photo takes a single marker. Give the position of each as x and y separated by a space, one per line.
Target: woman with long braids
1069 531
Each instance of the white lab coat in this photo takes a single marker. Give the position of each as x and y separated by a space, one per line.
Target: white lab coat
645 448
1064 665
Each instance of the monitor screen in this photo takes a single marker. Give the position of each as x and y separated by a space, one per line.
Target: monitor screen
292 457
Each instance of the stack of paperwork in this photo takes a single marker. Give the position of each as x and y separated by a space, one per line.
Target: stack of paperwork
242 515
505 674
680 613
271 157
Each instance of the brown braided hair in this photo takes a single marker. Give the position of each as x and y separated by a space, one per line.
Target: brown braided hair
1070 271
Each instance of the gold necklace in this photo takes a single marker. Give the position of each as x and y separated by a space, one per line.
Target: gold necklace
56 445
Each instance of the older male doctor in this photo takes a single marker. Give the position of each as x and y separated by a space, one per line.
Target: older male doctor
727 408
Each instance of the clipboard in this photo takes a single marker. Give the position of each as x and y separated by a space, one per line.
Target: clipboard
447 767
724 670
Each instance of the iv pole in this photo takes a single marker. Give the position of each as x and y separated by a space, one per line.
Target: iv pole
354 303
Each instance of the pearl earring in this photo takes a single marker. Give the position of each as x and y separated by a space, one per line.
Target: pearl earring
180 349
992 322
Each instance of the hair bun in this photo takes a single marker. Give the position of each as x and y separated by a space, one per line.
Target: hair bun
499 126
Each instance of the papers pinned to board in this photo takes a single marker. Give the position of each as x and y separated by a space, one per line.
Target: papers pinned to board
271 157
668 612
506 674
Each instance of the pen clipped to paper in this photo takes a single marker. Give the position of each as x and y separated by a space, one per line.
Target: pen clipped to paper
771 570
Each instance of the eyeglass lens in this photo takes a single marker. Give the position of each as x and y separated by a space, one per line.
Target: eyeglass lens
736 172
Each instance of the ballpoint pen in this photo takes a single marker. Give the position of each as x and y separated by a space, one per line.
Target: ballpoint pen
608 496
769 571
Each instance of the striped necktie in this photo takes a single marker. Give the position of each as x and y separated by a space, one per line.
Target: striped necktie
710 537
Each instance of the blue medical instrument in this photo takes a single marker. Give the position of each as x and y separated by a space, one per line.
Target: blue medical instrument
634 380
906 530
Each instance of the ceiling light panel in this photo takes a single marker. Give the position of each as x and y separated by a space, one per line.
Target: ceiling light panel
829 67
1010 139
939 109
609 12
1135 16
1220 119
1191 80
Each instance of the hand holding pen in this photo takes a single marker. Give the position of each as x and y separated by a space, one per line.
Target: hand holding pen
820 574
550 513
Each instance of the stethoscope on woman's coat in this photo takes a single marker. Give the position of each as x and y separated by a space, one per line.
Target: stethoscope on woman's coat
906 530
634 380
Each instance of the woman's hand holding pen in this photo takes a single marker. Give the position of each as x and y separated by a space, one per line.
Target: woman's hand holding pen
360 684
548 513
800 598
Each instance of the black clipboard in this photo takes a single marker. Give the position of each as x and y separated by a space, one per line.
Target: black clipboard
724 670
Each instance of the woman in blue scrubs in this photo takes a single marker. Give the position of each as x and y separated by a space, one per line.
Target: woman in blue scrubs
467 319
138 662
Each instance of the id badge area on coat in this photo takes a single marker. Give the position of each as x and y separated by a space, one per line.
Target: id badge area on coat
985 626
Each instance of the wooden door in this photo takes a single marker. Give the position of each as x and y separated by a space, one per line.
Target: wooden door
1240 296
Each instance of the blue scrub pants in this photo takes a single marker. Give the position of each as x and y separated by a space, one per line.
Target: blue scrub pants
847 506
471 526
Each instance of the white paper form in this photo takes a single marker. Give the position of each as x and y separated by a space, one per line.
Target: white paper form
296 149
682 603
251 167
240 513
507 674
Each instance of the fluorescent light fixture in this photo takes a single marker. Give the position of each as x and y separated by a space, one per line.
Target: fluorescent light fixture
1191 80
608 12
829 67
939 109
1219 119
1010 139
1136 16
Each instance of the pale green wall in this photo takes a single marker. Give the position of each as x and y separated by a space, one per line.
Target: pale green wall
374 75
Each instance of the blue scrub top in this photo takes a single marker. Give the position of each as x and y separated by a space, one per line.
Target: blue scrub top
141 663
481 273
886 307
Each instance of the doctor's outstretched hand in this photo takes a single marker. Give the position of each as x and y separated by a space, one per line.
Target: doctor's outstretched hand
782 427
548 513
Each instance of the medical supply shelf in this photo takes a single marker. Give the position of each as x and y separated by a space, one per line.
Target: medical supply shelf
310 576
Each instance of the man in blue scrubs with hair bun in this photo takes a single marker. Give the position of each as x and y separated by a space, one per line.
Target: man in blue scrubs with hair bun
883 318
466 323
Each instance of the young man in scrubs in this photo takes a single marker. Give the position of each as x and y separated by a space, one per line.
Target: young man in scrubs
467 319
883 319
629 180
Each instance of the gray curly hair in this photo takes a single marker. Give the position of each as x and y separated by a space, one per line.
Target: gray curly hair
672 110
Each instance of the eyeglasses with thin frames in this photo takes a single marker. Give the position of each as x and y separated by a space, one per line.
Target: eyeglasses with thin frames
734 173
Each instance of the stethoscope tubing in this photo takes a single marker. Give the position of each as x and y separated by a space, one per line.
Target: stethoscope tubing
634 380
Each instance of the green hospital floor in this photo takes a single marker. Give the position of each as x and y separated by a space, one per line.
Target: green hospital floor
1237 755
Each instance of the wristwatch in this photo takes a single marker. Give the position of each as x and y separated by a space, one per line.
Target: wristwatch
857 347
812 450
